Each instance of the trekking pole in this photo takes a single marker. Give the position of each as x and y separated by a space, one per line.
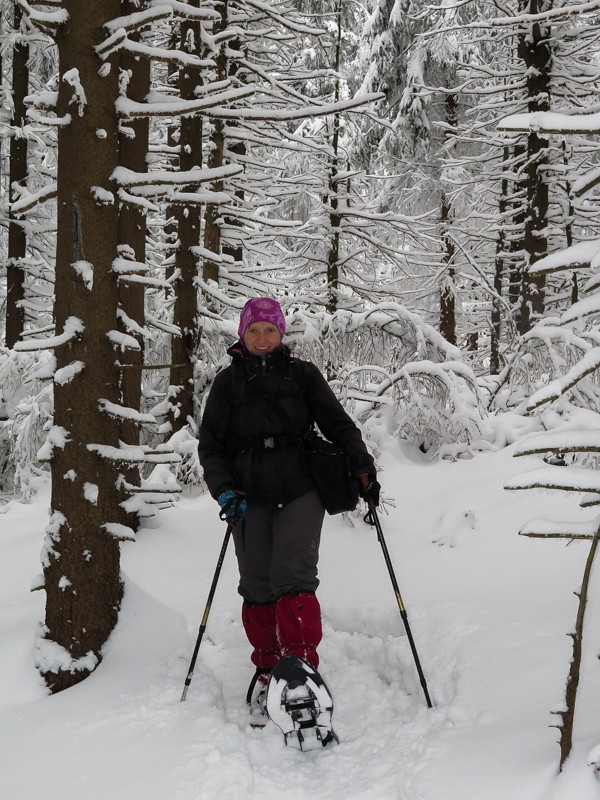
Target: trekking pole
211 595
372 518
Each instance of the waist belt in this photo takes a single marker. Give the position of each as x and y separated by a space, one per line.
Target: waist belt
245 443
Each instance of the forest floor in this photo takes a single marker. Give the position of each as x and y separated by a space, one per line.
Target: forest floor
489 610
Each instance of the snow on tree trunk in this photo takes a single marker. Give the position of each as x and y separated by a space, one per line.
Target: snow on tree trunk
81 554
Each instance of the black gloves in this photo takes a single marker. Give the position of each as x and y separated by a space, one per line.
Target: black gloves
369 489
233 505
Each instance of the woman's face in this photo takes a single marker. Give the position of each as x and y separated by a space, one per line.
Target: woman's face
261 338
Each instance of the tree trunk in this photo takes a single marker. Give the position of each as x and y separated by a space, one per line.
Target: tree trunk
17 238
569 226
335 220
81 555
212 230
496 316
185 314
448 287
534 49
567 716
333 253
133 149
518 203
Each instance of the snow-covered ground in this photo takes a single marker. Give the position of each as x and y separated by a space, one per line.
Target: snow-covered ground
489 611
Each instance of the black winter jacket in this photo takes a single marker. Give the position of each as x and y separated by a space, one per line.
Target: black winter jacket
276 396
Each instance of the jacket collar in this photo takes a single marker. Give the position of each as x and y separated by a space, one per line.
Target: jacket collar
278 357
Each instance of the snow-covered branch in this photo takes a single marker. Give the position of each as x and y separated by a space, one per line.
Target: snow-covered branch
570 479
28 200
193 177
124 412
213 107
135 454
551 529
582 254
46 20
551 122
73 328
588 363
560 442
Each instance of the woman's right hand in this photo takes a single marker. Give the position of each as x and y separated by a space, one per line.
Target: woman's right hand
233 505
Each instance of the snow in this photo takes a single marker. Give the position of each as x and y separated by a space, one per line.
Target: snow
90 492
85 270
57 437
580 254
102 196
71 76
574 478
66 374
74 327
123 340
489 611
119 531
51 657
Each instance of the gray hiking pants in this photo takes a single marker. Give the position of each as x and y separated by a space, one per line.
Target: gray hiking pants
278 549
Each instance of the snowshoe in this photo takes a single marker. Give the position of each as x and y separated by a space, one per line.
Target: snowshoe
299 702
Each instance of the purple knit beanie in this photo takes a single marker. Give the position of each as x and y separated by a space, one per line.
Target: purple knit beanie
261 309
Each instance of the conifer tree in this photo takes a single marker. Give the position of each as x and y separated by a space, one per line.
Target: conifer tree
81 557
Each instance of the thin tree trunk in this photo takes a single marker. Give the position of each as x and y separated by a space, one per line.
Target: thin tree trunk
568 715
518 224
185 314
448 288
232 245
496 316
81 555
569 227
212 230
133 149
335 220
17 238
534 48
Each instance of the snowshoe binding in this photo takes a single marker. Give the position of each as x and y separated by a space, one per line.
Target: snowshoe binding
299 702
256 698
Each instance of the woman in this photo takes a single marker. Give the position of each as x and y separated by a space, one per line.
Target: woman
256 414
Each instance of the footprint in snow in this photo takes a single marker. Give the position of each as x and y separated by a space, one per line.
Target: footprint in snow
451 527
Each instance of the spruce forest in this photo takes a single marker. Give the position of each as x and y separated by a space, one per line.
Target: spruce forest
415 182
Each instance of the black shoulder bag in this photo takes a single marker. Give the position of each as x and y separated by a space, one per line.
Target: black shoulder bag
329 467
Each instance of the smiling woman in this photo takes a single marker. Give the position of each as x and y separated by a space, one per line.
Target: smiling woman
252 445
261 338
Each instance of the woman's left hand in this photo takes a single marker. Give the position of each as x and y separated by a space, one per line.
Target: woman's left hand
369 489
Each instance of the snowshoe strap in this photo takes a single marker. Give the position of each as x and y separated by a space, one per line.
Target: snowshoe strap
255 677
